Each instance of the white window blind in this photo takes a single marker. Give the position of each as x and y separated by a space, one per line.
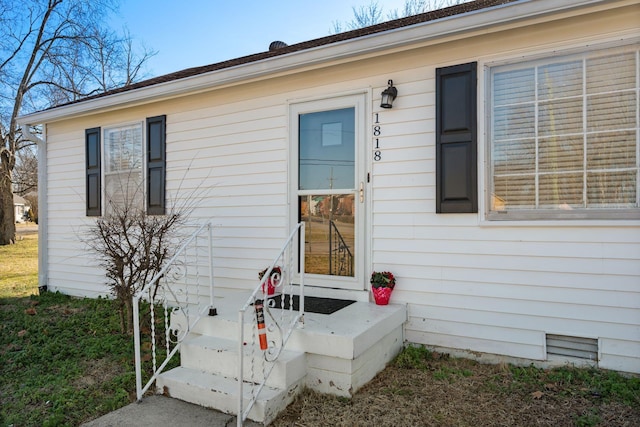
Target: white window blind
565 137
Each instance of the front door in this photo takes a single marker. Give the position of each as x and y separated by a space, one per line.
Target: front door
328 188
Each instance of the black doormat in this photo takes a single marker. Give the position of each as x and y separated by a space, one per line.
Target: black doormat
312 304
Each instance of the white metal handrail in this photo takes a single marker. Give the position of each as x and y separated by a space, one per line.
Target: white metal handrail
278 325
176 289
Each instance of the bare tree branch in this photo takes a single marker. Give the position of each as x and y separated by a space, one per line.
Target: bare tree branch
53 52
25 173
371 14
132 247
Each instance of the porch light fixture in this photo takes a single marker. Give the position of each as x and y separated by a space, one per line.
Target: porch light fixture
388 95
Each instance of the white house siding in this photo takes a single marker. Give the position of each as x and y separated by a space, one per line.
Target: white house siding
238 167
470 284
492 287
69 268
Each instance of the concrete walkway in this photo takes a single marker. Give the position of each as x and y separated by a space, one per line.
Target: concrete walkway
165 411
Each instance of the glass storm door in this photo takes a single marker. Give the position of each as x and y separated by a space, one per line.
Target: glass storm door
329 190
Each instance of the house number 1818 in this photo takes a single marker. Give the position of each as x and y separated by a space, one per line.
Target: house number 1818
377 131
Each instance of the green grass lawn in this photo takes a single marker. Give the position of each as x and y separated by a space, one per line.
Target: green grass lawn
63 360
19 268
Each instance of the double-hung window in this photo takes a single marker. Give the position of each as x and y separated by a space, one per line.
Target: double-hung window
565 140
123 167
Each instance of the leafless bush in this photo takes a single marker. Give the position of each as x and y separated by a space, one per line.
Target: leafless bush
132 248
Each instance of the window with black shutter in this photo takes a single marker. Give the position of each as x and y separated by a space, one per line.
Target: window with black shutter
456 139
156 165
122 180
93 169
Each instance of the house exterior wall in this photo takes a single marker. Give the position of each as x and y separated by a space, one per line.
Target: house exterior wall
470 283
19 212
20 208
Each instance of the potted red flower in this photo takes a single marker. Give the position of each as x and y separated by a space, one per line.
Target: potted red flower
272 281
382 283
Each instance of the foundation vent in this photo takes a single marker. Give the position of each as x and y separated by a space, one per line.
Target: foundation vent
581 348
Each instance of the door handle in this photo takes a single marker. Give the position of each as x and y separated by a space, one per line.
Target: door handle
361 192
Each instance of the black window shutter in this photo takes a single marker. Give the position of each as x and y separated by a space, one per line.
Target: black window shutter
93 167
456 139
156 165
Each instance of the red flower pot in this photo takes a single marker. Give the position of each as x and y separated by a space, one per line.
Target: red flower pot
381 295
272 282
271 288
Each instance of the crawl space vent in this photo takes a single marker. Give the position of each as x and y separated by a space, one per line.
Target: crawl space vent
581 348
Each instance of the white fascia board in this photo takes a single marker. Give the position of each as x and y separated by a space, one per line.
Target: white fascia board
425 32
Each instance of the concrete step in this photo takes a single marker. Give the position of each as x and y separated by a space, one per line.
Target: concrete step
220 356
225 325
220 393
345 334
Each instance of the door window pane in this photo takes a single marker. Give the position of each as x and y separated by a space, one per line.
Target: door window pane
327 150
329 233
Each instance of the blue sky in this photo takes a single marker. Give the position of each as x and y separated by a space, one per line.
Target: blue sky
189 33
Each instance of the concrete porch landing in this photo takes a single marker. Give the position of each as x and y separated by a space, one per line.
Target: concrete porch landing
336 353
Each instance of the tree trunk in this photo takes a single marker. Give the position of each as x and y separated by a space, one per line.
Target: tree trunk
123 317
7 211
129 310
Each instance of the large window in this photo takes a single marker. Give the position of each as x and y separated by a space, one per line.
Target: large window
564 137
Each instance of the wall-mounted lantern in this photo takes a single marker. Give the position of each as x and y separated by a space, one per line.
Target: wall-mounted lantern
388 95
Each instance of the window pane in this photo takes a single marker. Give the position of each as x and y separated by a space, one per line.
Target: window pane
514 122
327 150
611 111
561 153
611 150
515 192
123 167
514 157
123 147
560 117
124 189
612 189
561 191
601 79
560 80
329 233
513 87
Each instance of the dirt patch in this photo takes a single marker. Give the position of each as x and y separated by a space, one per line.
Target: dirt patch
460 392
97 371
65 310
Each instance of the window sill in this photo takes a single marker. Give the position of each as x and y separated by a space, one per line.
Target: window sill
608 218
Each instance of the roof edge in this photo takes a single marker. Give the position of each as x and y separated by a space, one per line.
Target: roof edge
499 13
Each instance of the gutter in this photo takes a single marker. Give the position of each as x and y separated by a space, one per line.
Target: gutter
429 32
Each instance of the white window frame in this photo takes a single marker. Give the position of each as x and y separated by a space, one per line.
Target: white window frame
587 213
358 100
140 124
